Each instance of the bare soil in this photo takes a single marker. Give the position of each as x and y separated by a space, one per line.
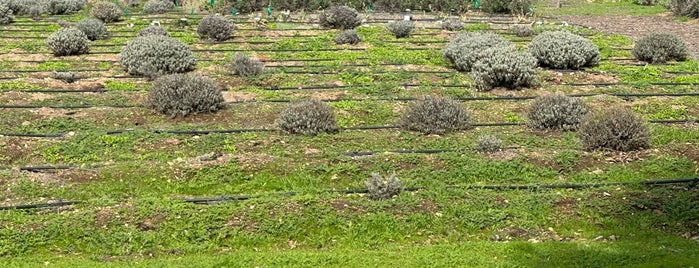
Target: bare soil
638 26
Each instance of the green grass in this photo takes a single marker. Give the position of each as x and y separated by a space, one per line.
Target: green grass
599 7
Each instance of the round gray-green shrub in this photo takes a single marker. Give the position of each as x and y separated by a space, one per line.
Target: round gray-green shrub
515 7
523 31
60 7
488 144
154 30
348 37
504 66
401 28
68 41
184 94
556 111
435 115
158 6
93 28
658 48
35 12
688 8
466 48
383 188
6 16
156 55
215 27
453 25
308 117
564 50
106 12
616 129
245 66
340 17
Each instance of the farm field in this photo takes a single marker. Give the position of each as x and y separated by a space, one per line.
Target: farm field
126 186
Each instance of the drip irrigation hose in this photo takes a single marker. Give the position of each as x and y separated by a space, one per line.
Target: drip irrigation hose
42 205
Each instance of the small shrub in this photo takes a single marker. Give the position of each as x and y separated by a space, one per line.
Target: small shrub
504 66
617 129
35 12
488 144
6 16
64 24
61 7
184 94
68 41
514 7
564 50
465 49
401 28
556 112
435 115
106 12
523 31
340 17
158 6
154 30
658 48
383 188
93 28
688 8
68 77
245 66
215 27
453 25
132 3
645 2
348 37
156 55
308 117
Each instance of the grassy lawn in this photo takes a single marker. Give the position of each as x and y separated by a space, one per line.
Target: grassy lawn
597 8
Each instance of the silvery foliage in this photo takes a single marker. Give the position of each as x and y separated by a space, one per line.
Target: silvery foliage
245 66
504 66
132 3
616 129
488 144
401 28
93 28
154 30
435 115
556 111
35 12
156 55
215 27
688 8
453 25
308 117
523 31
60 7
658 48
68 41
184 94
564 50
158 6
466 48
348 37
340 17
68 77
383 188
6 16
106 12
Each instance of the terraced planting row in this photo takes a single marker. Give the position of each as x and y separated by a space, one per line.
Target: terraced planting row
305 204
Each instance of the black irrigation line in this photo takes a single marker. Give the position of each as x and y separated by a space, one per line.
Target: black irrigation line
212 200
218 50
229 131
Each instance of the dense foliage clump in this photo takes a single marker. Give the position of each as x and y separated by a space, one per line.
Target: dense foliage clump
514 7
401 28
564 50
308 117
154 30
156 55
616 129
68 77
523 31
688 8
658 48
6 14
340 17
158 6
68 41
60 7
435 115
504 66
383 188
453 25
488 144
35 12
184 94
93 28
465 49
215 27
106 12
348 37
556 111
245 66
